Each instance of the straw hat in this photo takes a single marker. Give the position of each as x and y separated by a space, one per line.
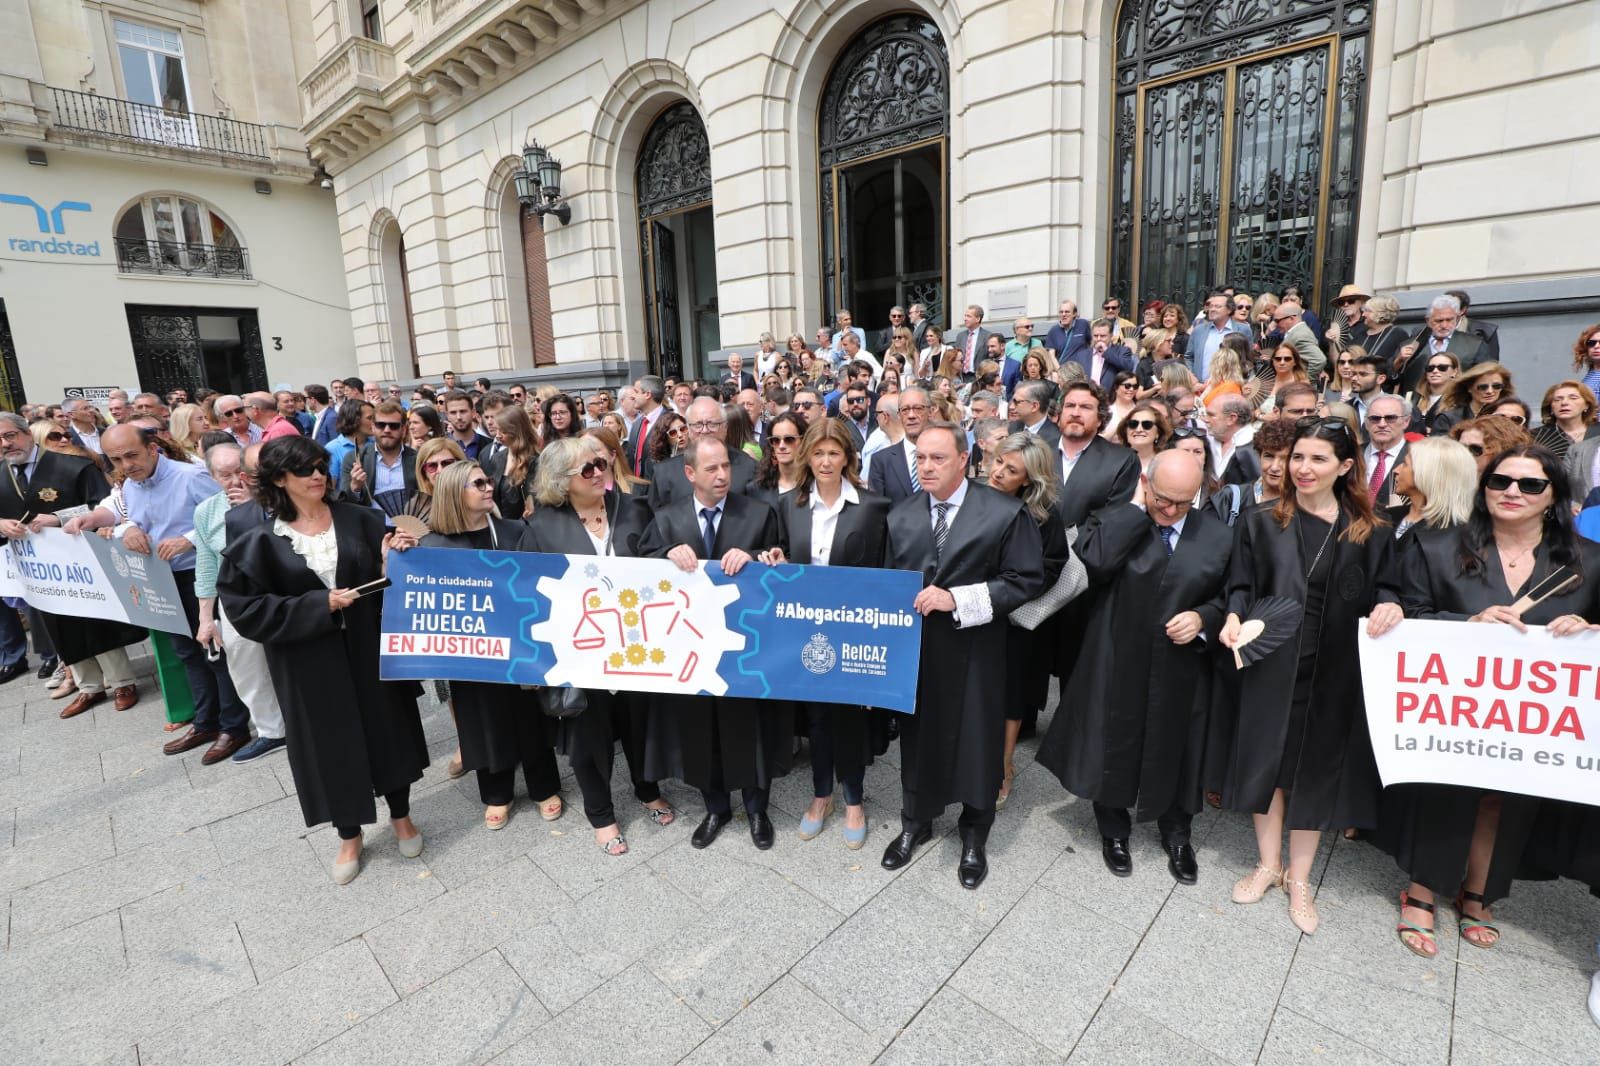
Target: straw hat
1351 292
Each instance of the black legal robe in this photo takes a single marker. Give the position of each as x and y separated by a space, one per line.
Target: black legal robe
1105 473
497 724
753 739
860 734
1131 731
1030 652
350 735
592 736
60 482
952 748
1335 777
1428 827
669 484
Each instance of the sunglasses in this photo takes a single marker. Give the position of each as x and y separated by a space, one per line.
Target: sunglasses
1124 385
803 405
1489 386
1475 449
788 440
1439 368
1593 342
388 425
590 469
1188 432
310 470
436 464
1528 486
1315 424
230 414
1141 423
675 430
482 484
55 437
1383 418
1290 359
1518 419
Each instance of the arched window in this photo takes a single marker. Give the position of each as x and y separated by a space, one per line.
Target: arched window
883 129
397 301
169 233
1237 148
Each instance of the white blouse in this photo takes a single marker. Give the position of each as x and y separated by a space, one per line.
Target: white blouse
825 520
321 551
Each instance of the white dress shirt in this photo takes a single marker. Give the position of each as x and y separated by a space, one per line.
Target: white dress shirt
973 606
825 519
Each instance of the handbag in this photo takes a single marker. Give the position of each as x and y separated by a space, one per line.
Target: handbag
1071 582
563 701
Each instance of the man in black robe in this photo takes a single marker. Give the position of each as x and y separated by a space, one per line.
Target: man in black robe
981 557
725 743
1132 719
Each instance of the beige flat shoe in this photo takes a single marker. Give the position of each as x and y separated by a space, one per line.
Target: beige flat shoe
345 872
1253 885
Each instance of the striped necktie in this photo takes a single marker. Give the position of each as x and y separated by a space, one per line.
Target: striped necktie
941 528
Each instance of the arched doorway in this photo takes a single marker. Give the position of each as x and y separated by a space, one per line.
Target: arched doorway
677 243
397 301
883 129
1237 146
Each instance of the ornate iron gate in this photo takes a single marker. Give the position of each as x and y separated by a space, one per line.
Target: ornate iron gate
673 175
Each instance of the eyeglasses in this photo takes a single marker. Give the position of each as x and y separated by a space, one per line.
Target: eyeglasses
389 425
1112 307
1141 423
788 440
1489 386
482 484
1439 368
855 399
1382 418
914 409
1528 486
804 405
677 429
230 414
1164 501
310 470
436 464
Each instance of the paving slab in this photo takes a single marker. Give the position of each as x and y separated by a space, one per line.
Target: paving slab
631 1020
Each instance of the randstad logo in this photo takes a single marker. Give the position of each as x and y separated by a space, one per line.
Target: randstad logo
50 222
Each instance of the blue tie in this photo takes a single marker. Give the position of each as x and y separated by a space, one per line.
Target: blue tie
1167 535
708 515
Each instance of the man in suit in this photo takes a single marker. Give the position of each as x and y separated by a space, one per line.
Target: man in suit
1366 376
1030 406
855 411
1386 422
736 377
726 743
650 392
1206 337
1229 427
1130 730
85 427
1440 335
462 417
1102 359
919 327
1299 335
981 557
384 473
324 417
894 469
1488 332
1069 333
671 482
972 340
885 337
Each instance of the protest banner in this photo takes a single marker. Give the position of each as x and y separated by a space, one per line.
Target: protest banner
90 577
830 634
1464 703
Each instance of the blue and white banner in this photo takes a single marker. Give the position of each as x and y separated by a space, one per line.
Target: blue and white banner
88 576
829 634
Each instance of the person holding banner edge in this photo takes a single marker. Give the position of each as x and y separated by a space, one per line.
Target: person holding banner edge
574 514
725 743
497 729
293 585
830 519
1456 842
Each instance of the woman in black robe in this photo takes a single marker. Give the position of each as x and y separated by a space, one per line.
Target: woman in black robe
499 726
1463 843
1024 466
780 467
1301 755
287 584
830 519
574 514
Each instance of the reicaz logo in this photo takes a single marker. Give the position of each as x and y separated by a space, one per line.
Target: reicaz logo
50 222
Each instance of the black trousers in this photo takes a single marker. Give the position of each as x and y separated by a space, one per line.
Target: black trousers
399 807
596 790
1116 824
974 822
216 704
539 771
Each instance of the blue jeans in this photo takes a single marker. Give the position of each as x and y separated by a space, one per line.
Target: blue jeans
819 723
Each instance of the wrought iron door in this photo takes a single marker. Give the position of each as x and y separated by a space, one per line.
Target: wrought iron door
169 351
12 395
885 118
661 275
673 176
1237 146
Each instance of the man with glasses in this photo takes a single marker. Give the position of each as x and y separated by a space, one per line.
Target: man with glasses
897 320
161 496
1440 335
383 474
233 414
856 413
888 433
85 427
1228 431
858 370
1069 333
1386 420
919 324
670 483
1290 319
1206 337
1295 401
894 469
1124 735
1121 328
1013 351
1030 412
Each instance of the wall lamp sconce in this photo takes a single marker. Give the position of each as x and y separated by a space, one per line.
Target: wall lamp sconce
539 184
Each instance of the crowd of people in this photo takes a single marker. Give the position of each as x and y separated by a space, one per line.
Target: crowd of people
1102 505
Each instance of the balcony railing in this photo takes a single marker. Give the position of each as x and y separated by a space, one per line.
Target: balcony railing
189 260
356 63
144 124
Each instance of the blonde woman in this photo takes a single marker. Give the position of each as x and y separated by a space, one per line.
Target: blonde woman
1437 476
187 425
1227 375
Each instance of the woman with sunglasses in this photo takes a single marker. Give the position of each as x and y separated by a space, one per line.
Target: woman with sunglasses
1586 358
291 585
1487 438
1428 398
1124 398
1475 389
434 456
1145 430
497 730
1456 842
576 514
1568 416
830 519
668 437
1301 757
780 468
52 438
1512 409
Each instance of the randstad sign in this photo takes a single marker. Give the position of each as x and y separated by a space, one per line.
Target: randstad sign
52 224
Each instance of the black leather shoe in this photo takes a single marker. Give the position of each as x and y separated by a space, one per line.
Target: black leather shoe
1181 864
47 668
1115 851
974 866
708 829
14 671
761 830
898 853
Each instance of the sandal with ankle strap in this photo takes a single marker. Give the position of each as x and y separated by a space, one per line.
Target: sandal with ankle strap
1251 887
1466 924
1302 910
1402 927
